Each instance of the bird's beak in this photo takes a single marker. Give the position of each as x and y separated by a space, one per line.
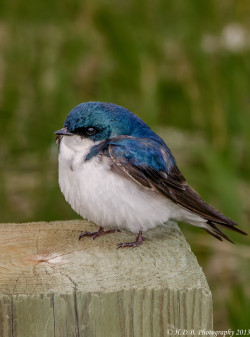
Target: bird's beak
63 132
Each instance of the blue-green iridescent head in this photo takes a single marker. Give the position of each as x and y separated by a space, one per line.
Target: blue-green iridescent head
99 121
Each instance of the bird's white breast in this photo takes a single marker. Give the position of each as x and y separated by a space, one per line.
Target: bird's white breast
97 193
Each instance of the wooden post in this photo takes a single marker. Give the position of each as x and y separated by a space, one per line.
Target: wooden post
52 285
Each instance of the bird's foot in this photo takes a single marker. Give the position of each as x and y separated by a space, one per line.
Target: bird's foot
139 240
94 235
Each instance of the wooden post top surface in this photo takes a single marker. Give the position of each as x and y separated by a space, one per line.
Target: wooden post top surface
42 257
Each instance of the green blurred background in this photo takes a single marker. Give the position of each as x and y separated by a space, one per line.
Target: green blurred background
183 66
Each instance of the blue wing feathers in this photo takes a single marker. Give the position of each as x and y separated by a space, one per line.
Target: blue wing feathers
142 152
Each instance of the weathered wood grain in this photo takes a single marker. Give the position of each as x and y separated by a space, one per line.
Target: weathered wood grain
53 285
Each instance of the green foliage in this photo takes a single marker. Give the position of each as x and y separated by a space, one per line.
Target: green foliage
183 65
238 306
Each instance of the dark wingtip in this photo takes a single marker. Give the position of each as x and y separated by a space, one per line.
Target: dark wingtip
226 225
233 228
242 232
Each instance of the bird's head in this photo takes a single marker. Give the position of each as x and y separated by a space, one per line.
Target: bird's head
100 121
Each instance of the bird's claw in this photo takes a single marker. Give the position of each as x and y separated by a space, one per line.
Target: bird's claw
139 240
95 235
83 234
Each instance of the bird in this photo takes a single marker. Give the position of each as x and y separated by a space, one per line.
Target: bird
115 171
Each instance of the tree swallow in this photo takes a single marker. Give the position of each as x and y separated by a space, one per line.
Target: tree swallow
115 171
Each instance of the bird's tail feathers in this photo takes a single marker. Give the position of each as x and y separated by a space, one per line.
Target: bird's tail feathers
212 228
216 232
212 219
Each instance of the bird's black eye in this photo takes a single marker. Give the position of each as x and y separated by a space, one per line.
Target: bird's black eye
85 131
90 131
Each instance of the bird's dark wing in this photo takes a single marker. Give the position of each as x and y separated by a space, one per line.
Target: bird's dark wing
152 166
